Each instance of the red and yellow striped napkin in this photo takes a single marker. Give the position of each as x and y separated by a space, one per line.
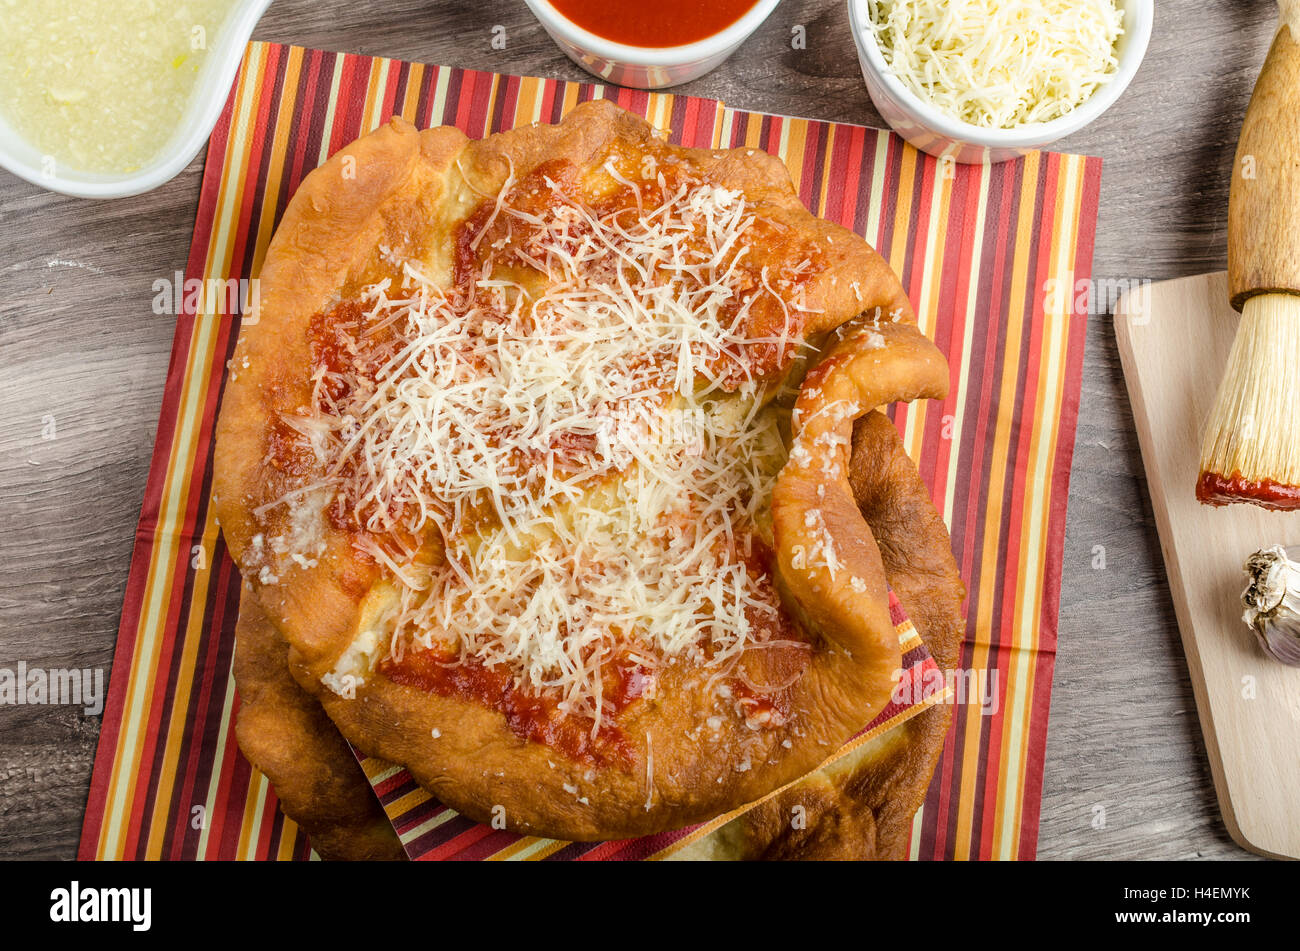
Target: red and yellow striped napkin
979 249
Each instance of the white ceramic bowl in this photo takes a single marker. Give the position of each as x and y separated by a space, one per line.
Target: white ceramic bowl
939 134
211 88
646 67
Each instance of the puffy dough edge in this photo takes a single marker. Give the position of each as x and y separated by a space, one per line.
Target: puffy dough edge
862 807
827 557
284 733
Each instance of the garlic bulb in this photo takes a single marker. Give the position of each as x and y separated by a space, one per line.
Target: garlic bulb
1272 600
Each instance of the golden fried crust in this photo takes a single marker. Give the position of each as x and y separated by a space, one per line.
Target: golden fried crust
285 734
828 562
406 191
861 807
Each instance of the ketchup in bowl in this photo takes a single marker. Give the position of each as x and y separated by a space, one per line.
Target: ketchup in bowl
654 23
649 43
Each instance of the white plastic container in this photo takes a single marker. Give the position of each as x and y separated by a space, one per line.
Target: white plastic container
211 88
647 67
935 132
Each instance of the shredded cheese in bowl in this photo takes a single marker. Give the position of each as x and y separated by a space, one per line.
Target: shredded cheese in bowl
999 64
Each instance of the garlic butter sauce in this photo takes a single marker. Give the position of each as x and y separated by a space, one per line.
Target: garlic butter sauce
100 85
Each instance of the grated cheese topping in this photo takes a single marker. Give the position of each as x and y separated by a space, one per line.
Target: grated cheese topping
999 63
565 472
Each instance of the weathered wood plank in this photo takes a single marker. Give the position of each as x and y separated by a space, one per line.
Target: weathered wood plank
78 343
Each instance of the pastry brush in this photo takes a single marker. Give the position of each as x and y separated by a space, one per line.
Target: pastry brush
1251 448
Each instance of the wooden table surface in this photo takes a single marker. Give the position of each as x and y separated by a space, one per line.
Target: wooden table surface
81 350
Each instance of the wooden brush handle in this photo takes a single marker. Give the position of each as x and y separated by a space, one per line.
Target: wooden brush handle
1264 200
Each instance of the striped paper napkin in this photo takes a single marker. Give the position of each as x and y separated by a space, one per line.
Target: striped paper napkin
978 248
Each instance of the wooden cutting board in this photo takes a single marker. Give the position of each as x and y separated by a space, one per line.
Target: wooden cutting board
1174 339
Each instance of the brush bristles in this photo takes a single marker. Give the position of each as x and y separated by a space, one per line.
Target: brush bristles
1253 434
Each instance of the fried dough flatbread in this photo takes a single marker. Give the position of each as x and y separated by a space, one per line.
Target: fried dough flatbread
410 255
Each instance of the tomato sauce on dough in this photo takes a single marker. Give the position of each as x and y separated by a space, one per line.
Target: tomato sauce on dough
770 330
530 715
654 25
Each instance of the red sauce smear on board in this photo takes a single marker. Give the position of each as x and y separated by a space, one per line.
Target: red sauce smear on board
530 716
1214 489
655 24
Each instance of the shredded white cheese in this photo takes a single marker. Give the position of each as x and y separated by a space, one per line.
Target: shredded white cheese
591 460
999 63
